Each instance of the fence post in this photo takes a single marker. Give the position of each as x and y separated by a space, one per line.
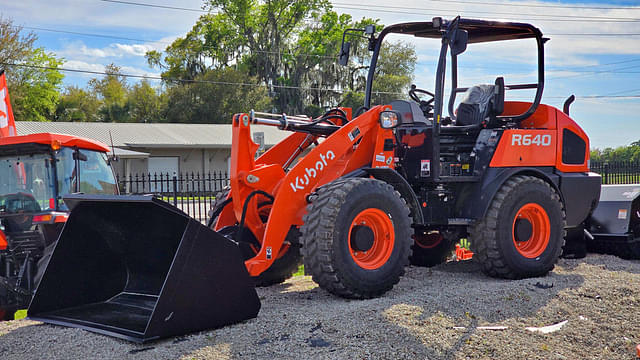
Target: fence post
606 173
175 189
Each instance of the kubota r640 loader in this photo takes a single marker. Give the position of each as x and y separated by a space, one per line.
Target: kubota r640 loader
357 197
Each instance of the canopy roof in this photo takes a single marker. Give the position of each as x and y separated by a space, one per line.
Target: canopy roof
479 30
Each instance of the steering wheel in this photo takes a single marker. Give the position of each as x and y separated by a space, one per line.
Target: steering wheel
425 105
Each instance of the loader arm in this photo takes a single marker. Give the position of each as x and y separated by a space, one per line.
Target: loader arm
347 148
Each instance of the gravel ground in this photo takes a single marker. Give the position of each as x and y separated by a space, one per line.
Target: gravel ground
436 313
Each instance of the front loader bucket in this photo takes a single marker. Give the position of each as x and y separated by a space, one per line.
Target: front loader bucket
140 269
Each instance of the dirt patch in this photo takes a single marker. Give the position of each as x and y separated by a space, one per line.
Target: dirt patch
438 313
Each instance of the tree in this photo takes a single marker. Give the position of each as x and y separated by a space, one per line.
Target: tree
33 82
620 153
214 98
77 104
290 47
112 91
144 103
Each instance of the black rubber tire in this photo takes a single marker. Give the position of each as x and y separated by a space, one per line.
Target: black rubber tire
432 256
283 267
221 197
492 237
325 247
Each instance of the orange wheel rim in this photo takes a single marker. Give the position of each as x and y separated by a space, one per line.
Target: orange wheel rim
371 238
531 230
428 241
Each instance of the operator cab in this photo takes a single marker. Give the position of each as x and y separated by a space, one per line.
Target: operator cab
445 137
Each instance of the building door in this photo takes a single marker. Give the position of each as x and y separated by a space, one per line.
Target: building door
163 165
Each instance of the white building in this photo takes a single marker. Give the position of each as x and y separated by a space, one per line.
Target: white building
159 147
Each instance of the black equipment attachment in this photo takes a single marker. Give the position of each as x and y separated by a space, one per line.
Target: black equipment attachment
614 226
137 268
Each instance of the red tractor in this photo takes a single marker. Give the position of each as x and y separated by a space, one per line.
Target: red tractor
36 171
356 197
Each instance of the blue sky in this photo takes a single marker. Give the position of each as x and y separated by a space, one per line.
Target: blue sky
576 64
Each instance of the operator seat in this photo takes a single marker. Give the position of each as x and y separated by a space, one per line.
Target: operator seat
481 102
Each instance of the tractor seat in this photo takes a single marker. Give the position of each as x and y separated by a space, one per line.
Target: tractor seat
480 102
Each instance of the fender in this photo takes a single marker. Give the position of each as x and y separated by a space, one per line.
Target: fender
399 183
476 205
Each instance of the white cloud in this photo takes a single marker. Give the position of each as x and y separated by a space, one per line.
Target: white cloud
133 50
78 50
83 66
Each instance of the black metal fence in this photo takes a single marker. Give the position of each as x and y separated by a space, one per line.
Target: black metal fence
191 192
617 172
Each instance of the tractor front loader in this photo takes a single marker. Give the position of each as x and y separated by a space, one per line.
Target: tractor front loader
356 197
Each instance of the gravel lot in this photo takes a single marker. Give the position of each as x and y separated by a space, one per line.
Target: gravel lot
433 313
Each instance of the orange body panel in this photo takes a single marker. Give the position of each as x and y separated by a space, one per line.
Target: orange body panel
50 138
565 122
525 147
542 145
349 148
382 158
3 241
543 118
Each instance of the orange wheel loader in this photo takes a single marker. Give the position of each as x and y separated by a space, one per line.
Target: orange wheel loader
357 197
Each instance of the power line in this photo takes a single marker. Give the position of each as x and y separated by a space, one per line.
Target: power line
164 42
91 34
592 34
562 18
597 65
593 73
154 5
148 77
338 5
622 92
79 33
384 8
511 4
284 52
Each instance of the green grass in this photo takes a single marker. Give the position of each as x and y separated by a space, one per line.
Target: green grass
300 271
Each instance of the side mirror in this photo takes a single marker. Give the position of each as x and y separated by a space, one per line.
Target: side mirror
458 42
77 155
389 119
370 29
344 53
